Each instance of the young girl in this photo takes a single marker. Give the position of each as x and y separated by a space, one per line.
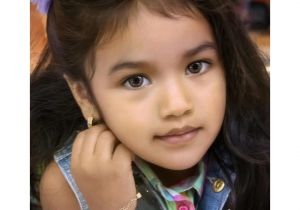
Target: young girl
149 105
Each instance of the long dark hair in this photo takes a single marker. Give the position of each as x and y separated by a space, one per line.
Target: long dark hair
75 28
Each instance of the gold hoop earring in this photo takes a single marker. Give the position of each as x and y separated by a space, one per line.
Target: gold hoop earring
90 122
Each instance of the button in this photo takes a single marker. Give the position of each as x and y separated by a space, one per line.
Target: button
218 185
183 207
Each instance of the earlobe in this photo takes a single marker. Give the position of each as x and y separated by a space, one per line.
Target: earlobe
82 98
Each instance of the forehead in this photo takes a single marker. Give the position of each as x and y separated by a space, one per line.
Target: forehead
148 26
150 36
145 22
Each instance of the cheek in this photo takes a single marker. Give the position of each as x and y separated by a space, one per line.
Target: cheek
210 103
215 108
128 121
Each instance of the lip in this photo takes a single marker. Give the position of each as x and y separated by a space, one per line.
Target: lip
179 136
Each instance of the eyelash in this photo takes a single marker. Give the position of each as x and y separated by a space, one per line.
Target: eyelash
204 64
127 79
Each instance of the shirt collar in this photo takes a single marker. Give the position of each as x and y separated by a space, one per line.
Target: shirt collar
195 182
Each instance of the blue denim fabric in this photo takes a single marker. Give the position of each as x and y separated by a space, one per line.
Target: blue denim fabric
63 160
151 199
214 200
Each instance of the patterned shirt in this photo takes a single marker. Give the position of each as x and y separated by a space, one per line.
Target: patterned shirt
182 196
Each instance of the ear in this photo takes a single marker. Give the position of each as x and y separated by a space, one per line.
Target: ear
82 98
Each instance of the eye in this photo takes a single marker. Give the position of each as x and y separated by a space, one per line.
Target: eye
136 81
197 67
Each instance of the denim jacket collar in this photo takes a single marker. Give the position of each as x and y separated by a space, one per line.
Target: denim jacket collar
214 197
211 199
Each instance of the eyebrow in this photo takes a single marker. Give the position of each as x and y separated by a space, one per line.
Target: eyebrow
200 48
138 64
127 65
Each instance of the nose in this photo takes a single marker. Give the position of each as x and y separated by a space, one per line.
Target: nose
175 100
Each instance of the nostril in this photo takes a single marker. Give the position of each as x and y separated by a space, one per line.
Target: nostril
176 111
175 101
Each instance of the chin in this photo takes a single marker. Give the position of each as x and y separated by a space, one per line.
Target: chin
181 164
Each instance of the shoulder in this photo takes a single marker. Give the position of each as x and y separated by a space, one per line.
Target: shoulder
55 193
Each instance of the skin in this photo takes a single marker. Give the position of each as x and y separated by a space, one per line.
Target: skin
169 96
172 99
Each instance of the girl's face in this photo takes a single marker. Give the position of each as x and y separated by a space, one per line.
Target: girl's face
162 75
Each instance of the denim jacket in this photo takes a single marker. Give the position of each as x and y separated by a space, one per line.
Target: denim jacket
211 199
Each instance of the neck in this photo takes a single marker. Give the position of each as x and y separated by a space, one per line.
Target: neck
171 177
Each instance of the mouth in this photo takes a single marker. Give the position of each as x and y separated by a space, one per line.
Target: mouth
179 136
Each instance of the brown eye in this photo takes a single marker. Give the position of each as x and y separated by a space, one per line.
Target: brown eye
136 81
197 67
